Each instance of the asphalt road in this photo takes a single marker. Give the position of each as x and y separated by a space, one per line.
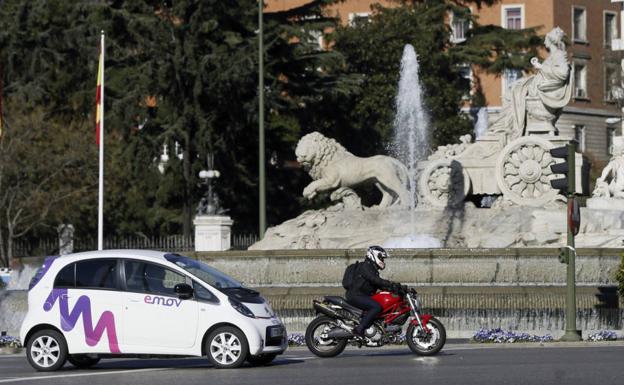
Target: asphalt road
465 364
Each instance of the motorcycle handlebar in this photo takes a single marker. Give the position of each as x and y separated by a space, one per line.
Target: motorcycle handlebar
403 290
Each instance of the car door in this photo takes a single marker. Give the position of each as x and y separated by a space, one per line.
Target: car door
153 315
86 299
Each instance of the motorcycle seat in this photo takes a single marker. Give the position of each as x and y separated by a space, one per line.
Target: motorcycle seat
336 300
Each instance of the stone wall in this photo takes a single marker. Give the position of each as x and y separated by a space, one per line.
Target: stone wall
419 267
514 289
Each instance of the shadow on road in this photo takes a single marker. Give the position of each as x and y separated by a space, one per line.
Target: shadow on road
168 363
396 353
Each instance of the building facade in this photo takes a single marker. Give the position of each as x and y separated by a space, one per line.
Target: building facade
592 117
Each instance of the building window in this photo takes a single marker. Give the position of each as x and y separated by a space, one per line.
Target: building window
356 18
513 17
610 136
610 28
510 76
465 71
579 136
459 27
579 24
610 81
580 80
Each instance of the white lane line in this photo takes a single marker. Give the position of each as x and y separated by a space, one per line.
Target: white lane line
21 379
297 357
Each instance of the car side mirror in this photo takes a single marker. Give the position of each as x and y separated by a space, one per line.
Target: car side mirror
183 290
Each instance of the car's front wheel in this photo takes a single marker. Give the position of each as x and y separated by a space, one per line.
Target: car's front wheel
46 350
227 347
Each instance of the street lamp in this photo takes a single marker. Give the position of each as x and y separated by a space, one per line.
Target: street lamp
209 203
261 156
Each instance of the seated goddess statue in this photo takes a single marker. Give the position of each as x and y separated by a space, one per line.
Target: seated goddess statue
534 103
611 181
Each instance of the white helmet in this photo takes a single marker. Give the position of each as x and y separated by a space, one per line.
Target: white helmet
377 254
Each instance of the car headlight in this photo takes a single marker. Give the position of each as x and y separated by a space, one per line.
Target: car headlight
244 310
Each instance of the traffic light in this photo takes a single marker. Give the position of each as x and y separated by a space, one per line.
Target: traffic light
566 168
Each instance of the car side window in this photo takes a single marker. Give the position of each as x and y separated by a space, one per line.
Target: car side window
151 278
203 294
96 274
66 277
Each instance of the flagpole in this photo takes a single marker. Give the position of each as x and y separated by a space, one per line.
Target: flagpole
101 150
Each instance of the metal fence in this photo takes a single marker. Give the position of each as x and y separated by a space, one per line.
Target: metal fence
175 243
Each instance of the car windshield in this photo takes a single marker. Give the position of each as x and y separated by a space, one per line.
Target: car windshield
211 276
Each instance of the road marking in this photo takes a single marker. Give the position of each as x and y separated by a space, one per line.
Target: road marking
21 379
298 357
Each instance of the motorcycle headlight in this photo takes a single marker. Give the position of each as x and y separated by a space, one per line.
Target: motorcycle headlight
416 302
244 310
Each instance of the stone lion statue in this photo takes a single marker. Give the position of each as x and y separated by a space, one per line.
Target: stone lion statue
331 167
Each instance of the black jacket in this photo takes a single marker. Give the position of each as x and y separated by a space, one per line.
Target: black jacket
367 281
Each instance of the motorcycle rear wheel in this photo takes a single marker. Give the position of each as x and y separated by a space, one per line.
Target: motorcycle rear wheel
426 344
319 346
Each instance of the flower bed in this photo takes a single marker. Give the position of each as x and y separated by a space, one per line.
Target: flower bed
10 342
296 339
603 335
500 336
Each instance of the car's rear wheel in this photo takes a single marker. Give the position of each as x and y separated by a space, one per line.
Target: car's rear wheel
227 347
46 350
83 361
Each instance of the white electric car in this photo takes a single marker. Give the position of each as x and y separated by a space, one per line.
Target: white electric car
137 303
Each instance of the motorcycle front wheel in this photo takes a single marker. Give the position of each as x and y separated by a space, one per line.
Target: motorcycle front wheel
323 347
426 342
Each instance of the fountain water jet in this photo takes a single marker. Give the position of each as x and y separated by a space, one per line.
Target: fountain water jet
411 138
411 123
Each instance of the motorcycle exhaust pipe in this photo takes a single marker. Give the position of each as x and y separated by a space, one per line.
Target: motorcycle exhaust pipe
339 333
322 308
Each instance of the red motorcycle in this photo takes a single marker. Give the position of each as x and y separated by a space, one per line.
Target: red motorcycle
330 332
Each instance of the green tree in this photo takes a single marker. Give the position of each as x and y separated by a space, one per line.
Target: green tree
42 174
181 74
374 49
208 100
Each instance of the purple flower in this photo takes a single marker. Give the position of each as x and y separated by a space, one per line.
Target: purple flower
10 342
500 336
603 335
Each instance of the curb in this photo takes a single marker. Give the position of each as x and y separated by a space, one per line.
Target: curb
516 345
8 351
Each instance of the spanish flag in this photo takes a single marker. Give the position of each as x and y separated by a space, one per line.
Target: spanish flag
99 110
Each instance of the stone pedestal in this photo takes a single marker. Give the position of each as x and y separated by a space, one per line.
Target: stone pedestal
212 232
599 203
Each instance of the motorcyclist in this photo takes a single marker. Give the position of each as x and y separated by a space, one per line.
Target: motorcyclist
365 283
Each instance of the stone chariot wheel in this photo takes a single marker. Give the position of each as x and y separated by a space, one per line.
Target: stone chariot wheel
523 171
443 183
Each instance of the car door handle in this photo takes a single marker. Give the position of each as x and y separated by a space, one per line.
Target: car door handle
135 300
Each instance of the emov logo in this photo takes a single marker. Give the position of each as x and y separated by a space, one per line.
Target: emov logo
156 300
83 307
